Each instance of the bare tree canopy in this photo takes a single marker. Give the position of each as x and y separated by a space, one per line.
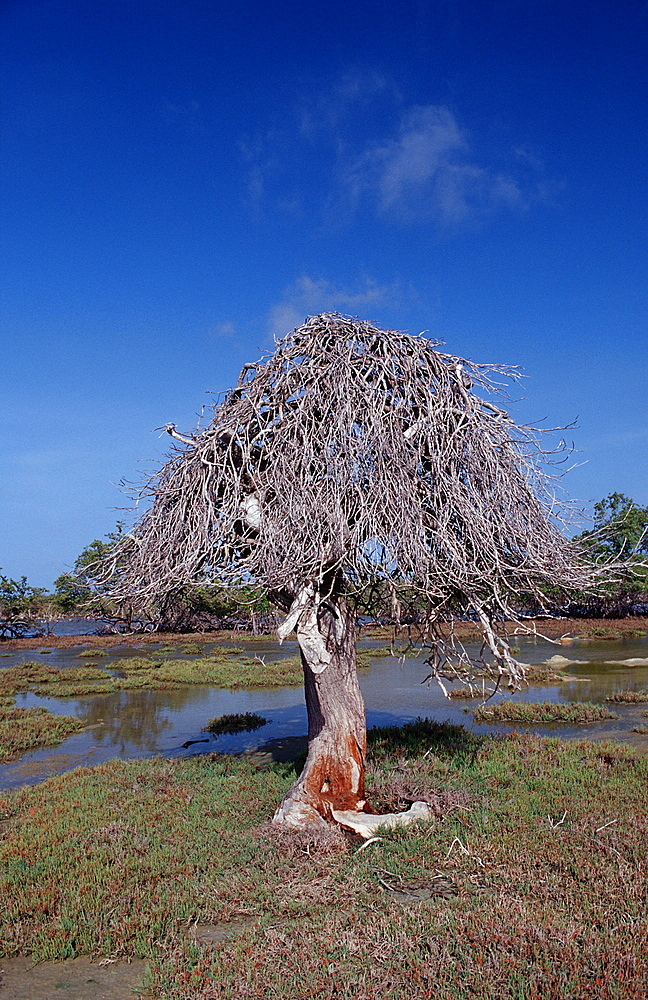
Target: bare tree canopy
355 459
362 450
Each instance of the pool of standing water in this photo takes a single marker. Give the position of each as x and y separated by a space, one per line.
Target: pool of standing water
141 723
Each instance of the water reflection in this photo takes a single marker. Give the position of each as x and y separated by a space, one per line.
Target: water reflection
140 723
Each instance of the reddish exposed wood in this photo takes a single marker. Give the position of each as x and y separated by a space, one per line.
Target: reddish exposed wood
333 775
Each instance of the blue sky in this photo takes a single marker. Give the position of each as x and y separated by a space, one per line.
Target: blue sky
184 181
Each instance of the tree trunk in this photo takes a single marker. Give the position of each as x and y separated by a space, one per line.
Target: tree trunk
333 775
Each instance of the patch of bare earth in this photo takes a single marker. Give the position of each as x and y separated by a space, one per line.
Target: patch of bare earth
76 979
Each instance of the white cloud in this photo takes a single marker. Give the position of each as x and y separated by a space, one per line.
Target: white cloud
352 93
309 297
222 330
426 170
356 146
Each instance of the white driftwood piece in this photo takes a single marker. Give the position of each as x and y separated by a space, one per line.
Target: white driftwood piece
366 825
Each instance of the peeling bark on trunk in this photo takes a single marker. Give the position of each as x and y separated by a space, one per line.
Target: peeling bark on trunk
333 776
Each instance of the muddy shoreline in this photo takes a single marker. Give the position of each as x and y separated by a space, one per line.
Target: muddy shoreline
554 628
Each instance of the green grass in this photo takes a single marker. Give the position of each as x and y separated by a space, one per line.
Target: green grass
540 845
22 729
191 649
544 674
544 711
221 670
43 679
466 693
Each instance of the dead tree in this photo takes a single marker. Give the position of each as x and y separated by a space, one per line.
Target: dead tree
356 458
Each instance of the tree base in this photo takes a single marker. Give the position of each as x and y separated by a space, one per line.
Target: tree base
297 815
300 815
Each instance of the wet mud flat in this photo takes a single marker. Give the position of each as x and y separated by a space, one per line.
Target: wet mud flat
75 979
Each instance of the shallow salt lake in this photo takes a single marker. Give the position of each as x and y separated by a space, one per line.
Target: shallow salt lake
131 724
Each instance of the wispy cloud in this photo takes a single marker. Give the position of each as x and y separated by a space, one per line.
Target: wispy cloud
426 170
357 146
310 296
224 330
354 92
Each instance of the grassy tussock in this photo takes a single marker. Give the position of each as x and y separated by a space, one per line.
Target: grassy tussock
469 694
544 711
240 722
22 729
541 674
628 697
545 855
221 670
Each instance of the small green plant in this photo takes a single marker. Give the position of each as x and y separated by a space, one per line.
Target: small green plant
464 692
237 723
602 633
544 675
191 649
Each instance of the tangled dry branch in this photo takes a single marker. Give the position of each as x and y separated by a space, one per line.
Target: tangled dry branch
358 454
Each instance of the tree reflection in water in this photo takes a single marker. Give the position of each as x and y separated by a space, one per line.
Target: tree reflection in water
135 718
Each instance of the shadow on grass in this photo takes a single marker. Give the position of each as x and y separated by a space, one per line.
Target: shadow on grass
423 736
413 739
